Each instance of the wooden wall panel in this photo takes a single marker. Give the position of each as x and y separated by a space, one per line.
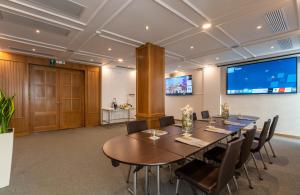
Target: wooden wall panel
14 81
93 104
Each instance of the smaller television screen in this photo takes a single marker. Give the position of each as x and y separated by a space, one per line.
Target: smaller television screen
181 85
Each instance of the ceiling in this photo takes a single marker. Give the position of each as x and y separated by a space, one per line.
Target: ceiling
105 31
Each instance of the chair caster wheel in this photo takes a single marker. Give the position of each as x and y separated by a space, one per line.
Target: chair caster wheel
251 187
261 178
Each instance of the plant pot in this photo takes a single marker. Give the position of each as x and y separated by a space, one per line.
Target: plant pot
6 150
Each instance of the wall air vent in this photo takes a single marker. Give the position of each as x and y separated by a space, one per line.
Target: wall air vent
65 7
277 21
285 43
32 23
30 52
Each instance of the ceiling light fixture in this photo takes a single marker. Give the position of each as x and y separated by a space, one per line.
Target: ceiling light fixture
192 47
272 47
258 27
217 58
120 60
91 60
206 25
33 49
37 31
147 27
109 49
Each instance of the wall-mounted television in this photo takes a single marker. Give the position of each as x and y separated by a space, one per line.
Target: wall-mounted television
268 77
181 85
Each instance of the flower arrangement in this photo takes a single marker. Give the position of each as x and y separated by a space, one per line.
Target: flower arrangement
225 111
187 118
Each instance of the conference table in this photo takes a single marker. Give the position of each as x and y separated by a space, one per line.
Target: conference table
139 150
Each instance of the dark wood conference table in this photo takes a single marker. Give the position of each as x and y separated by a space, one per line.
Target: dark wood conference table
138 150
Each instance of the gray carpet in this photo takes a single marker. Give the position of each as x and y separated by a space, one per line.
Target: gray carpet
72 162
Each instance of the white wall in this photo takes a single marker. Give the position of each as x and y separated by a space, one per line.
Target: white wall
173 104
118 83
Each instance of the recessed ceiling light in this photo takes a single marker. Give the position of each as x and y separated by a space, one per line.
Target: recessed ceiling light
109 49
192 47
272 47
37 31
206 25
33 49
259 27
120 60
91 60
147 27
217 58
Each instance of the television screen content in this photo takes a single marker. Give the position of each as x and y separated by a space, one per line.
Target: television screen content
268 77
181 85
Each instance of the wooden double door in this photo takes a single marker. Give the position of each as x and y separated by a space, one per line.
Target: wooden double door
56 98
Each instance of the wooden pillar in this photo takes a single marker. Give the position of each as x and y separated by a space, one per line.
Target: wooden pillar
150 99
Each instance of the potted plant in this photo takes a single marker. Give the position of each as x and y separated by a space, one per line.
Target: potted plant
7 110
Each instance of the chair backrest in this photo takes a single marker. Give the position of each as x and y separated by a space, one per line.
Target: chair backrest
205 114
263 134
272 127
229 161
194 116
166 121
136 126
246 146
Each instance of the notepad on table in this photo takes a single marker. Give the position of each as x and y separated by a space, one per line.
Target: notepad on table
157 132
192 141
226 122
217 130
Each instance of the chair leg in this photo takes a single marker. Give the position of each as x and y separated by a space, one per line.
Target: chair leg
235 183
171 177
262 159
274 155
177 186
128 176
259 176
247 174
268 155
194 190
229 190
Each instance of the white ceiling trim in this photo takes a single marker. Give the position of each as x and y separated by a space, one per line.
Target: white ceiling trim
228 35
99 8
207 53
18 11
182 38
249 51
85 62
28 53
173 54
297 5
91 54
173 36
198 11
177 13
115 14
31 42
239 53
120 36
117 40
48 12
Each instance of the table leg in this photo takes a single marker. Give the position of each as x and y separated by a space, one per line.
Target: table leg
158 181
146 180
134 181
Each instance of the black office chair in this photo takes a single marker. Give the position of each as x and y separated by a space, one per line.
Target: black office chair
194 116
257 145
208 178
166 121
205 114
134 127
270 136
217 153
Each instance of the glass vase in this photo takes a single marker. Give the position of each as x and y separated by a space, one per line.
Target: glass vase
187 124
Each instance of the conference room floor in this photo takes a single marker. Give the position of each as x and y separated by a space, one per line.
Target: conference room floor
72 162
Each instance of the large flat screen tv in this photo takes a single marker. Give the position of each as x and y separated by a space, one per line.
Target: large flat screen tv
181 85
268 77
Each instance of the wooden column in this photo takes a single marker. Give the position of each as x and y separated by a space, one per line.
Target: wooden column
150 99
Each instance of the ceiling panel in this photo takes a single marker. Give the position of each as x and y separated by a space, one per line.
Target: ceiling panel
132 22
218 58
218 8
197 44
89 59
100 45
244 28
274 46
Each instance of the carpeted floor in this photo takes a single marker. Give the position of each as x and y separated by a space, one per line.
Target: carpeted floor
71 162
